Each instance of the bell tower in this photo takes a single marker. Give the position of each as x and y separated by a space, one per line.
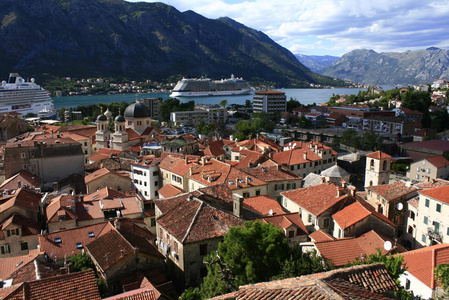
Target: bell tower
377 170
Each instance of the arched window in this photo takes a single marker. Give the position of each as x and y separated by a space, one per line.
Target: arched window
372 163
371 183
385 165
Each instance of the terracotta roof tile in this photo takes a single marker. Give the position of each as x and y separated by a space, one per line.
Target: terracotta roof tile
378 155
321 236
22 198
71 241
285 221
357 282
169 190
438 161
73 286
194 220
12 264
421 262
24 177
316 199
27 225
138 294
393 191
263 205
269 174
89 210
296 156
356 212
104 153
431 184
179 164
342 251
441 193
104 193
61 207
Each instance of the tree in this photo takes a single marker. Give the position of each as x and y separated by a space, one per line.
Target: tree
350 138
81 262
371 141
252 253
303 122
292 104
224 103
442 275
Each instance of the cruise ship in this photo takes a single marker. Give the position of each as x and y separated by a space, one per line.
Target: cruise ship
23 96
194 87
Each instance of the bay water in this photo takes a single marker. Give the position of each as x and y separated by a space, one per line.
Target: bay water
304 96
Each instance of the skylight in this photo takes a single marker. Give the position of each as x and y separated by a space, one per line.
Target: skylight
230 182
91 234
58 240
79 245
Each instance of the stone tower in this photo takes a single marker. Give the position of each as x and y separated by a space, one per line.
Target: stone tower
377 171
102 134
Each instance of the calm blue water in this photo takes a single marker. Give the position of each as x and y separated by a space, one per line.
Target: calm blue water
304 96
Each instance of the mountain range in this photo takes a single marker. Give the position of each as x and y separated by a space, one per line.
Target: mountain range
390 68
316 62
83 38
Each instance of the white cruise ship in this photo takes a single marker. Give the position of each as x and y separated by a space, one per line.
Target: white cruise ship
194 87
23 96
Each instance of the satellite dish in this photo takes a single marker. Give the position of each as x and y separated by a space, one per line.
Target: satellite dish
388 245
270 212
400 206
294 145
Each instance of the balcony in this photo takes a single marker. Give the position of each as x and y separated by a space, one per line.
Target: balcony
431 233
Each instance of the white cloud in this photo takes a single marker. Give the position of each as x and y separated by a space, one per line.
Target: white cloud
339 26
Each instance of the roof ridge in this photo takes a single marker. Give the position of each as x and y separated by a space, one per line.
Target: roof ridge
74 228
193 220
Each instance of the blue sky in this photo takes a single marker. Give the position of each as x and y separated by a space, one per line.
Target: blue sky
335 27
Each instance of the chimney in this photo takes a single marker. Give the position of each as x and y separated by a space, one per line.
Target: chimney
19 184
187 160
343 184
190 171
305 155
117 224
246 180
51 133
353 191
323 179
237 182
203 161
237 208
340 191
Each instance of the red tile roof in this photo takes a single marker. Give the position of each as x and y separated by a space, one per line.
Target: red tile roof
139 294
214 149
438 161
357 282
66 242
194 220
28 226
392 191
215 172
179 165
269 92
12 264
263 205
378 155
270 174
63 206
321 236
316 199
104 153
342 251
437 145
113 246
285 221
24 177
441 193
73 286
421 263
104 193
357 212
169 190
296 156
23 198
102 172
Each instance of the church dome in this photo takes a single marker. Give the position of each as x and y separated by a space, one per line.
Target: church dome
102 118
137 110
119 118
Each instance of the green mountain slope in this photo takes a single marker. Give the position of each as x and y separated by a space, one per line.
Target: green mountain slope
137 40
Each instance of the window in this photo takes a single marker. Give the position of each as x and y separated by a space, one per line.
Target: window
22 155
310 218
423 238
412 215
427 202
407 284
156 183
58 240
245 195
339 233
155 173
426 220
410 230
203 249
79 245
91 234
326 223
258 193
5 249
153 222
291 233
437 227
438 207
23 246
